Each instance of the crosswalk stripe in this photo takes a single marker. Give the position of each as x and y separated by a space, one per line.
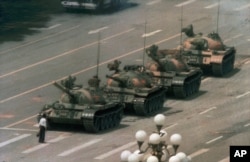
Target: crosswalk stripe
65 153
40 146
14 140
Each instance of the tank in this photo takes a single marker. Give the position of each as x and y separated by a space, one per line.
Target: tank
88 107
171 71
133 87
208 52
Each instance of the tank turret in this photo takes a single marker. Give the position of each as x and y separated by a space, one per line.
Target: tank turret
89 107
133 87
170 70
208 52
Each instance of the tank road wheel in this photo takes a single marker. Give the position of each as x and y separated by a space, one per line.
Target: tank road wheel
97 124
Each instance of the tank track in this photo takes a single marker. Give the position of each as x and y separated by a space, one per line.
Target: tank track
225 67
191 86
148 106
101 120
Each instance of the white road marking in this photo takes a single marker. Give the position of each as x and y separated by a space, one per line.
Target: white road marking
119 149
97 30
153 2
248 39
225 160
38 40
185 3
206 79
40 146
211 6
14 140
54 26
215 139
234 37
151 33
77 148
36 125
84 70
247 62
64 54
246 125
242 95
199 152
242 7
21 121
171 126
210 109
19 129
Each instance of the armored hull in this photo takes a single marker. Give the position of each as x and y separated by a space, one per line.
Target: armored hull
217 63
134 88
83 106
208 52
171 71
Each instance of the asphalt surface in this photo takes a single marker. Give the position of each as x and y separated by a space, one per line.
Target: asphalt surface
217 117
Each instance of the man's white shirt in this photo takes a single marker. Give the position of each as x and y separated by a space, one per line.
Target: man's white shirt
42 122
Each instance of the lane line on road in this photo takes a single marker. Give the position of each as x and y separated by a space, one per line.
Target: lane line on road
185 3
64 54
84 70
40 146
212 5
151 33
213 140
210 109
246 125
171 126
21 121
77 148
119 149
153 2
97 30
206 79
242 7
14 140
38 40
242 95
199 152
234 37
19 129
35 148
225 160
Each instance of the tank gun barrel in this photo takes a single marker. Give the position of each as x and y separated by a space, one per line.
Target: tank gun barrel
62 88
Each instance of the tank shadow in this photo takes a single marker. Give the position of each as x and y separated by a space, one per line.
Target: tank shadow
79 129
193 96
125 6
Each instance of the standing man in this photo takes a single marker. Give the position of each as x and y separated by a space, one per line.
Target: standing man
42 127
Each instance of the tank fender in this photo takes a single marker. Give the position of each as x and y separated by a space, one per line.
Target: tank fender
178 81
216 59
88 114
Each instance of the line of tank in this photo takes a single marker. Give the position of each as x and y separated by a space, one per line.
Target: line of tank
141 89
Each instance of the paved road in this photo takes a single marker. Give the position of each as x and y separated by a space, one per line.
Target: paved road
210 121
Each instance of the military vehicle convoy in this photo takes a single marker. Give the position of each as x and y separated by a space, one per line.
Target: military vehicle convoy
96 5
170 71
208 52
133 87
88 107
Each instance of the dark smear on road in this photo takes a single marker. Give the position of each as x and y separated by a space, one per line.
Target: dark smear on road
18 17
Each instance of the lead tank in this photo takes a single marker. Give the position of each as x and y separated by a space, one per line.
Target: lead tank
170 70
133 87
88 107
208 52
